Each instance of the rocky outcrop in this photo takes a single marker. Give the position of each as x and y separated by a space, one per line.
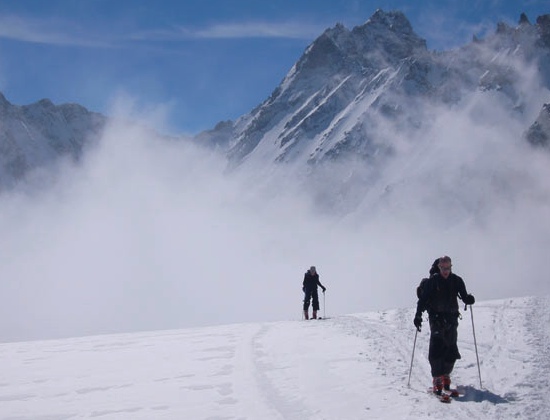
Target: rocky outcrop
36 135
350 85
539 133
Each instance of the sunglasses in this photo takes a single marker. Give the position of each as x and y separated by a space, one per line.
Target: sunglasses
445 268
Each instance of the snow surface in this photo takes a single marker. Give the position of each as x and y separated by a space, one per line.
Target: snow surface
343 367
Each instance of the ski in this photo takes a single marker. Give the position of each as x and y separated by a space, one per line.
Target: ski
455 393
446 396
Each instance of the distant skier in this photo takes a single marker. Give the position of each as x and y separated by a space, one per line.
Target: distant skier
309 287
438 295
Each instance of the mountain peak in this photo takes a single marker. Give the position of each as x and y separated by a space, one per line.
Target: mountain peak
387 33
329 103
394 21
524 20
35 135
390 32
4 103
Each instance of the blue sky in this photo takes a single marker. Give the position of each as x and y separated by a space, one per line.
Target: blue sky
202 61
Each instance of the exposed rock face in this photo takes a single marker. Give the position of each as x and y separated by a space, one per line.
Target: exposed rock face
349 96
539 133
36 135
333 100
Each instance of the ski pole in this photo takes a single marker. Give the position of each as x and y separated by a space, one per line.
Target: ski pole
324 306
303 302
412 358
475 345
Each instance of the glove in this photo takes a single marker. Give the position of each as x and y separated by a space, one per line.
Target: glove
418 322
469 299
324 288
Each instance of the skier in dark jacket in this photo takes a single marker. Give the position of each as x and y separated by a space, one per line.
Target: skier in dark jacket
438 295
309 287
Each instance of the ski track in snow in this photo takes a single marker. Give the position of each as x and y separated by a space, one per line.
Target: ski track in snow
537 324
345 367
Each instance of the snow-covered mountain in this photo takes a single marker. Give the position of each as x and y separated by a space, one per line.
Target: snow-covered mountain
356 98
368 119
345 367
351 86
36 135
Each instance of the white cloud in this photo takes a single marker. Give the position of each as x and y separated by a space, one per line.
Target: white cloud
233 30
61 33
259 30
47 32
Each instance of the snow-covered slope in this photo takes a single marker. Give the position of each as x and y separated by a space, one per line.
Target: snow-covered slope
36 135
344 367
353 91
370 120
362 99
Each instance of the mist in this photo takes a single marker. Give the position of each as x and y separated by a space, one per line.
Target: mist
145 234
148 233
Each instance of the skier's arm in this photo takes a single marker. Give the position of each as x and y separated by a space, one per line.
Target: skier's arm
420 307
421 304
467 298
423 296
322 287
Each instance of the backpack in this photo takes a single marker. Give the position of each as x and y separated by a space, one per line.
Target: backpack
420 286
434 269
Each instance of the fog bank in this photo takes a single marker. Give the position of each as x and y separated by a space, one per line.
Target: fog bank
154 234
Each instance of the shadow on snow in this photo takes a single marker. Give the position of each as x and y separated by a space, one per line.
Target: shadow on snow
477 395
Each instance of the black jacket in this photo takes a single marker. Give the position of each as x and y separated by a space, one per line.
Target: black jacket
439 295
311 281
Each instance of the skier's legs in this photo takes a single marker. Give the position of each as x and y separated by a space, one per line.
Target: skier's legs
443 351
447 367
307 298
452 353
451 337
436 352
315 297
